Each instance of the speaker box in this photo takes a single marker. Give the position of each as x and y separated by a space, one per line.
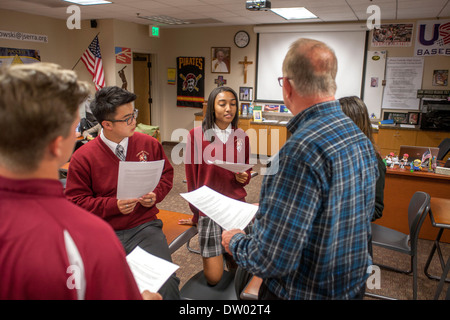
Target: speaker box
93 23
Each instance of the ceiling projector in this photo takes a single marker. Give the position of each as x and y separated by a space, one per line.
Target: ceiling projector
257 5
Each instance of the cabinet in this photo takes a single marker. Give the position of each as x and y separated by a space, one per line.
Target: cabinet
266 139
244 124
390 140
375 137
431 138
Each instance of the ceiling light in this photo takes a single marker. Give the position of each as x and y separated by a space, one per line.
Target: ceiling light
294 13
164 19
88 2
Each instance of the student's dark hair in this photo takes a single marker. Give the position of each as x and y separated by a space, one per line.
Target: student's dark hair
107 100
210 116
355 108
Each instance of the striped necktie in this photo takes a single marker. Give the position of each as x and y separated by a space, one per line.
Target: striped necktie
120 152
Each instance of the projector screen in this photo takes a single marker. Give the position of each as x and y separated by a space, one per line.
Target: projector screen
349 47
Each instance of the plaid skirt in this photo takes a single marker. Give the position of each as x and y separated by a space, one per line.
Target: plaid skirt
210 237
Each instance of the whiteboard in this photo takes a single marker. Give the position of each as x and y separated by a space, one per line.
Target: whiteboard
349 47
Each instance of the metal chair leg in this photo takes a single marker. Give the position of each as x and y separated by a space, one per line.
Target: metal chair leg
436 247
188 246
377 296
442 281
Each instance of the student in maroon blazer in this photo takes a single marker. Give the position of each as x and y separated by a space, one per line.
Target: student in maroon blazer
50 248
217 139
93 172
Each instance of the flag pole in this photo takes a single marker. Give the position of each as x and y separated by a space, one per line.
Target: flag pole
82 55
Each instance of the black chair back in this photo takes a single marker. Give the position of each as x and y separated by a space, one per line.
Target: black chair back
444 148
417 211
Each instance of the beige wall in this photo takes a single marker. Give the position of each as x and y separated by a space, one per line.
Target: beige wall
66 46
197 42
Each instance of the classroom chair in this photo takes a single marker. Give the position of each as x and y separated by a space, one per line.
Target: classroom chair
182 239
384 237
197 288
444 148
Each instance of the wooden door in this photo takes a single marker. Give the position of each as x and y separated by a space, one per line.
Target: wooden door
142 87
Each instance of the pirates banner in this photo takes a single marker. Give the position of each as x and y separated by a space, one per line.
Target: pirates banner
191 82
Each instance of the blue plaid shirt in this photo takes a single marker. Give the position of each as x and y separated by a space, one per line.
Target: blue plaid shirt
310 236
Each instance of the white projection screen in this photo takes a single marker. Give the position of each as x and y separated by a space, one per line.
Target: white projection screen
349 47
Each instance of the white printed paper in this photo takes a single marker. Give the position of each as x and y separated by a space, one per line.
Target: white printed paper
233 167
226 212
138 178
403 79
149 271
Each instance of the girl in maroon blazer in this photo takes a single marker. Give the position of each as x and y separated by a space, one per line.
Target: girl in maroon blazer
220 139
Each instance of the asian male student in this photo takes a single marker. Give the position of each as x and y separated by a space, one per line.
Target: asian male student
50 248
93 175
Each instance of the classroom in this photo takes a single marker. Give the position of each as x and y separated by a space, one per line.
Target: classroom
394 55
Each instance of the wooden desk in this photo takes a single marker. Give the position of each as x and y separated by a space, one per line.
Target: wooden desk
251 290
171 228
400 186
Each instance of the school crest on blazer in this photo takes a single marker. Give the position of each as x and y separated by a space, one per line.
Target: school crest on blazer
142 156
239 144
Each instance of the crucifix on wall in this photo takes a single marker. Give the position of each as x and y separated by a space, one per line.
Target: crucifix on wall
245 63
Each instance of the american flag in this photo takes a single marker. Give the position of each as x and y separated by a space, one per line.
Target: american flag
426 155
92 59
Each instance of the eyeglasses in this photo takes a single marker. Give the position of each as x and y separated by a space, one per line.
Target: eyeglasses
128 120
281 80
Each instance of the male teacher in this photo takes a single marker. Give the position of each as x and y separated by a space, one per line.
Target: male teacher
93 173
310 234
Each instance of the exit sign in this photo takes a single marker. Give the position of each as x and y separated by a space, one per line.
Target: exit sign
154 31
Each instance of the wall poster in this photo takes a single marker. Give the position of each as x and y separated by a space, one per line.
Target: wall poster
190 82
9 56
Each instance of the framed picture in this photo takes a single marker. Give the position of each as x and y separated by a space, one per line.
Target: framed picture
245 93
413 118
257 115
220 59
271 108
398 117
440 77
245 108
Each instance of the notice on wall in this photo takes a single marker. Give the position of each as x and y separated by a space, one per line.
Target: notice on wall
403 79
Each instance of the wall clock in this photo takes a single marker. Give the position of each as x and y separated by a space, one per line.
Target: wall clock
241 39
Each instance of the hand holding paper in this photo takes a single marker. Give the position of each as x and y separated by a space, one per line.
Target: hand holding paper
226 212
149 271
241 177
138 178
233 167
